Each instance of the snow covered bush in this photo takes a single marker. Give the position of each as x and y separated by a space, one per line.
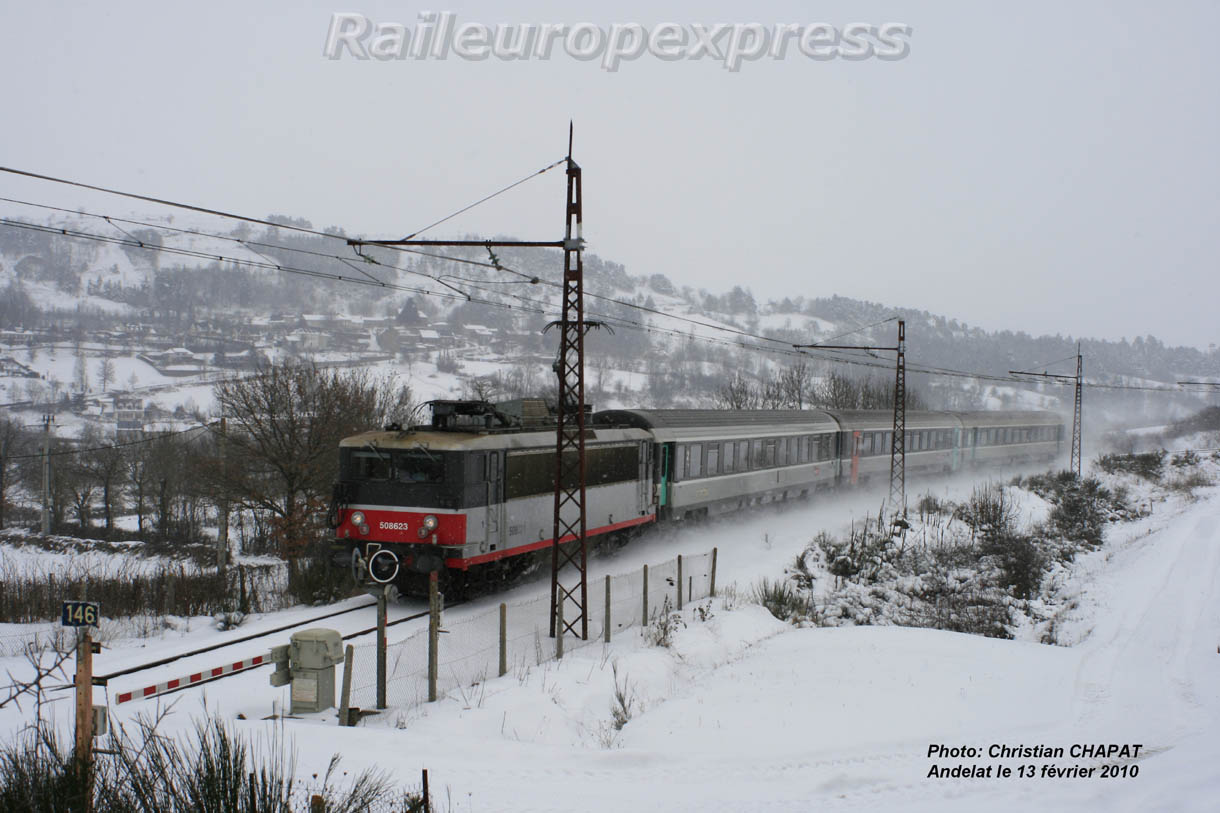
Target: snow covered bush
660 631
784 600
1149 465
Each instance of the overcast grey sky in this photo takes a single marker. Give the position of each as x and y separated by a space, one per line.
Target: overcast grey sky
1040 166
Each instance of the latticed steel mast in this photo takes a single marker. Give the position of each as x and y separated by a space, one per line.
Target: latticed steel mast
569 597
898 446
1077 417
1077 425
569 594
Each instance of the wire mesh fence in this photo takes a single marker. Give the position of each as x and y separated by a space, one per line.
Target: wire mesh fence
517 636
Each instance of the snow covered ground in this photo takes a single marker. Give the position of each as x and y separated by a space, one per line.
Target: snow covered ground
746 713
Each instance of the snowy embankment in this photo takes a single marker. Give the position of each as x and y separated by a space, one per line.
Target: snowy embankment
743 712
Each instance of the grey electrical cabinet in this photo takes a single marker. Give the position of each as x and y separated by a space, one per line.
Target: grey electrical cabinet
312 656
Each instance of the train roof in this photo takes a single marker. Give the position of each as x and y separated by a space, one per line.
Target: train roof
682 424
875 419
1011 417
450 441
694 424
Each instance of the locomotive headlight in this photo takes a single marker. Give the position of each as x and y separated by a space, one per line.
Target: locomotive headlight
357 518
363 529
430 523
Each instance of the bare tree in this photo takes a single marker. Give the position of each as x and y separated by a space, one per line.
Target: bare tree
285 424
13 442
105 373
483 388
104 465
797 383
80 372
772 393
737 393
838 391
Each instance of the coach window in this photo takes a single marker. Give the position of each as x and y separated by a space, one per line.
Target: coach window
768 454
713 459
727 463
781 452
694 466
756 455
680 473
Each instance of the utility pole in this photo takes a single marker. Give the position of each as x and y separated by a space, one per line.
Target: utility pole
222 534
898 444
3 468
47 420
1077 416
569 514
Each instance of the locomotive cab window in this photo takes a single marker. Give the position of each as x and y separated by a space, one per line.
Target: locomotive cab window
419 467
370 465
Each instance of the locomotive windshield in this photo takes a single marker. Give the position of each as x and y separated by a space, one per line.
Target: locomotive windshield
419 467
415 466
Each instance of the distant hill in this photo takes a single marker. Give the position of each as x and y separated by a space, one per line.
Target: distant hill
178 282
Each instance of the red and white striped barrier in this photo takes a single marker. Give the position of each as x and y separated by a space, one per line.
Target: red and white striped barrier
197 677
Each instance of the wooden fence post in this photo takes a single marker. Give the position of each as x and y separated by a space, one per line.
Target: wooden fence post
607 634
713 572
345 698
644 619
84 714
503 639
679 581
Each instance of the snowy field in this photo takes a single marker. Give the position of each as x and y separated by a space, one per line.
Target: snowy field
744 712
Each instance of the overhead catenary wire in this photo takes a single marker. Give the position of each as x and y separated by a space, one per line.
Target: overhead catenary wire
152 437
497 193
132 241
833 357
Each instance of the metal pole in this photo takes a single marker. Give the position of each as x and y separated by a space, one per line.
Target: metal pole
713 593
382 611
898 446
1077 426
569 515
559 634
434 627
